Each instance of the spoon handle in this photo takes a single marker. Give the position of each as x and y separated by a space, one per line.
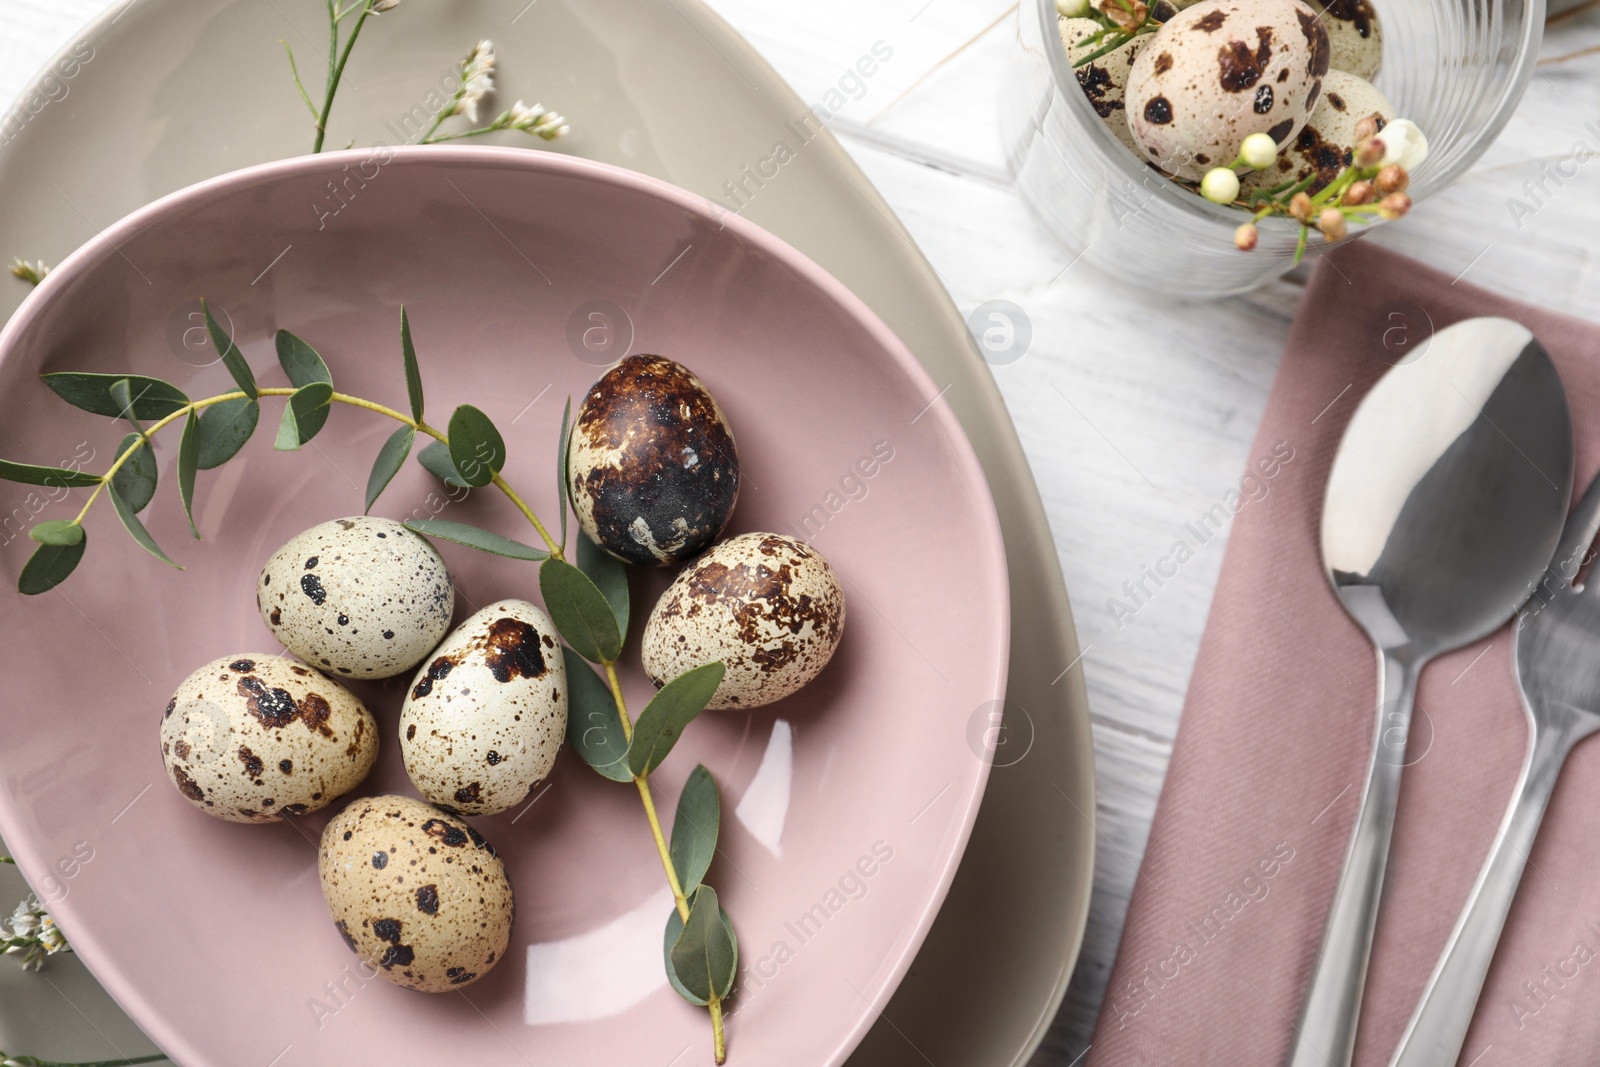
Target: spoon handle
1326 1033
1438 1029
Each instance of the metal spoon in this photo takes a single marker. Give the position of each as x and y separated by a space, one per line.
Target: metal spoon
1560 685
1444 505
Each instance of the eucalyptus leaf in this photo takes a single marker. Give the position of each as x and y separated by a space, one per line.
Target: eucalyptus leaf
232 358
472 537
391 457
55 477
122 396
609 575
188 463
703 959
152 397
135 480
593 728
476 447
136 528
561 471
49 566
224 429
413 374
695 827
435 459
580 611
304 415
300 361
663 720
57 532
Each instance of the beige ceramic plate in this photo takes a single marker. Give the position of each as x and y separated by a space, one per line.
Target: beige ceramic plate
176 92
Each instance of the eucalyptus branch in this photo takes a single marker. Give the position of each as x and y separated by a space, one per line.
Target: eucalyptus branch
588 599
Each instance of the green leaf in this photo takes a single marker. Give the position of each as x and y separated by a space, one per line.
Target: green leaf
580 611
304 415
413 375
703 959
609 575
435 459
663 720
224 429
561 472
122 395
232 358
472 537
391 457
57 532
152 397
476 447
694 828
136 478
593 728
136 528
28 474
188 463
49 566
300 361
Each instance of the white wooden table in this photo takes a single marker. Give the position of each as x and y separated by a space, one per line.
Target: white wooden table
1135 422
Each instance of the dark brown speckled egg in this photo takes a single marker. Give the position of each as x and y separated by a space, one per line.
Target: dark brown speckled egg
652 465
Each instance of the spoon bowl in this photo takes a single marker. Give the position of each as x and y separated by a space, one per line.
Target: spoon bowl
1444 505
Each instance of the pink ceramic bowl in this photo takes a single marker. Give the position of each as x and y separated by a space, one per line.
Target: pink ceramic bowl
846 807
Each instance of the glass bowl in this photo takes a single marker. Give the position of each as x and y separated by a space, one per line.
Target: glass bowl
1457 68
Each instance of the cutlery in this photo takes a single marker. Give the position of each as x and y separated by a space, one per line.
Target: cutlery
1557 674
1444 506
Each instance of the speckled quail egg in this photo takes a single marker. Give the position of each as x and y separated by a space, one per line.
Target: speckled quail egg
766 605
1355 36
1327 143
1104 79
415 892
1219 71
652 465
358 598
258 737
487 713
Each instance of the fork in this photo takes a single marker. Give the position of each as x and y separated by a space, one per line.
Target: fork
1558 676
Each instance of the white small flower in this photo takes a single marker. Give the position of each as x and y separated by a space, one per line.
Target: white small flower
1259 151
1220 185
1072 9
535 119
1403 144
477 80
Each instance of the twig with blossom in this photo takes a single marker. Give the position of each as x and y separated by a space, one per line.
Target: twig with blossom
33 933
477 82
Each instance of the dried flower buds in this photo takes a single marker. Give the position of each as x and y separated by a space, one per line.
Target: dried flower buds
1246 236
1358 193
1331 223
1370 154
1394 205
1300 207
1392 179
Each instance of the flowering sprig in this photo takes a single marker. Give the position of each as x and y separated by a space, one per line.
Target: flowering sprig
1372 187
477 82
32 273
33 933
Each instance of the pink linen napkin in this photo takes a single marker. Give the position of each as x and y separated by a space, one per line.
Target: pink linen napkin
1261 794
